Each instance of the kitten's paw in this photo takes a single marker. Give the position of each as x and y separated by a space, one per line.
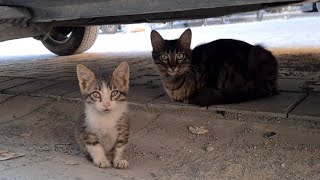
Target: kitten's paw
186 101
121 164
102 163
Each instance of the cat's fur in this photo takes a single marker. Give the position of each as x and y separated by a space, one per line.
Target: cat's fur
103 131
222 71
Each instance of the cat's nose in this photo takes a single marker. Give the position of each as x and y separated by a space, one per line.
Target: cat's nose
172 69
106 105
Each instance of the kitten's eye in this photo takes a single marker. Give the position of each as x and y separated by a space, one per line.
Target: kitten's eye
114 93
164 56
95 94
180 56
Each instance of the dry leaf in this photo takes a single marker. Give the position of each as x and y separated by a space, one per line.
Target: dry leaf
197 130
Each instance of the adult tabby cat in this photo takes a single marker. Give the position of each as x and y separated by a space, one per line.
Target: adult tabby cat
104 130
222 71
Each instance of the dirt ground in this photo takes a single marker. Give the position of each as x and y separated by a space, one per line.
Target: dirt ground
162 147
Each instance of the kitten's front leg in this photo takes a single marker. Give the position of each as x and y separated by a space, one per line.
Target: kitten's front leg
96 151
120 154
121 158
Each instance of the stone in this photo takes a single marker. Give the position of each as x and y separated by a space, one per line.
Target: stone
197 130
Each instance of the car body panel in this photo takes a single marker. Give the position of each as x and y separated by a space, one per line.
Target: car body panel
61 10
25 18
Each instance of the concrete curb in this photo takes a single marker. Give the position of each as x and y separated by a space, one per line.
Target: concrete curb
194 110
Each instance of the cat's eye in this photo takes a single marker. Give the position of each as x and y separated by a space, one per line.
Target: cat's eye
95 94
180 56
114 93
164 56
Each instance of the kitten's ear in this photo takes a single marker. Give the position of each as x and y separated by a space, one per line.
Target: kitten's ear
86 77
185 39
120 76
157 41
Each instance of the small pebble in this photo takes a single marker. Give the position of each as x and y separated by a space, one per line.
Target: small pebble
210 148
197 130
283 165
71 163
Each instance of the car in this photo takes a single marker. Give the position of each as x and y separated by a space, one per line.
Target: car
311 7
110 28
67 27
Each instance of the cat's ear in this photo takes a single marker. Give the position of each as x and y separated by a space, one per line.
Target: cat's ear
86 77
185 39
157 41
120 76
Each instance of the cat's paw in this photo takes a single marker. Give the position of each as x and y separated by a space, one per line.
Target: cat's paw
121 164
186 101
103 163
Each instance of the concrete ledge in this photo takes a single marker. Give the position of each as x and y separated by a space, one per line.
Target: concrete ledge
276 106
308 109
155 99
4 97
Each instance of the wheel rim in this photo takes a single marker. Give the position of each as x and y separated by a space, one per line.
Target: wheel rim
109 27
60 35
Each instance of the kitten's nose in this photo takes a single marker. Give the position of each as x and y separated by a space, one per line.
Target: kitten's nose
172 69
106 105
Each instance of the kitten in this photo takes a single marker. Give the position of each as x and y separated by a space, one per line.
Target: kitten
222 71
104 129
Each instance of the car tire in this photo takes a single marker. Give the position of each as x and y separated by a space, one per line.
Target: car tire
109 29
65 41
260 15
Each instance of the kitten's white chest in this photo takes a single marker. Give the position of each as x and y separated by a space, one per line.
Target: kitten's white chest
103 125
